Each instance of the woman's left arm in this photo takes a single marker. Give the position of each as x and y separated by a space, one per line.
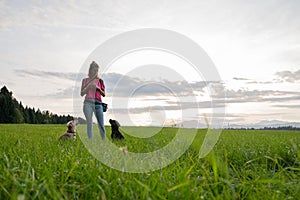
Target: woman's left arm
101 88
102 92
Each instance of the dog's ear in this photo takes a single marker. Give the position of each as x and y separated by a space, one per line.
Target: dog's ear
117 123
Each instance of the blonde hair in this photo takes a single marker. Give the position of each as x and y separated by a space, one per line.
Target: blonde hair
93 66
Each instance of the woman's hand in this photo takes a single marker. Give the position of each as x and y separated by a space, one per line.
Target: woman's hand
85 89
92 85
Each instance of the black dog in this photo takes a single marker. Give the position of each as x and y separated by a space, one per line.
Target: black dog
115 133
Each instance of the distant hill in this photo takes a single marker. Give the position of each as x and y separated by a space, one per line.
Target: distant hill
265 124
12 111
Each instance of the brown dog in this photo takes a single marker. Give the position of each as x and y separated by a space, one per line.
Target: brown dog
71 132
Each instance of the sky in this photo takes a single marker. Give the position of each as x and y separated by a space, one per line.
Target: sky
255 46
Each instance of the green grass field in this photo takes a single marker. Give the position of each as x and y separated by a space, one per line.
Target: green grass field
246 164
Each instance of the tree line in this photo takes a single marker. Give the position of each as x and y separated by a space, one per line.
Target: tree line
12 111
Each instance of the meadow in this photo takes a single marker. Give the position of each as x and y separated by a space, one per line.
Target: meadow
245 164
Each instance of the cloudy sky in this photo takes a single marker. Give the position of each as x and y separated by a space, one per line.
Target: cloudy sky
255 46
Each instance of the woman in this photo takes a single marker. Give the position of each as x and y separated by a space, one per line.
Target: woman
93 88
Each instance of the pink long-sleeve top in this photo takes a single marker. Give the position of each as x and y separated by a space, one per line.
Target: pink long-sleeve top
93 94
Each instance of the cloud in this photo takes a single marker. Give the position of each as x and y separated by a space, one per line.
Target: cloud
286 99
241 79
57 15
297 106
47 74
232 97
119 85
123 86
263 82
280 77
245 95
289 76
66 93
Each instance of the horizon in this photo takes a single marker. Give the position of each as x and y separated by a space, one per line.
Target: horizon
45 46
